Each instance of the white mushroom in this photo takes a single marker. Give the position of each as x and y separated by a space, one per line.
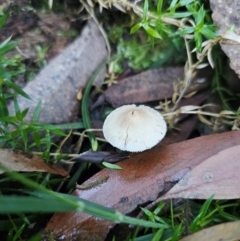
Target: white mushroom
134 128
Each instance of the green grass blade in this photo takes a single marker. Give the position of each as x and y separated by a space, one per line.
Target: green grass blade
49 201
17 89
50 204
85 109
37 111
145 11
67 126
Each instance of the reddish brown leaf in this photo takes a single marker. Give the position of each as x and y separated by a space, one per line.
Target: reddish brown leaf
24 162
144 177
224 232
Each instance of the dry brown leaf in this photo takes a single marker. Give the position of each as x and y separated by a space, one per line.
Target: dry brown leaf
145 176
24 162
151 85
218 175
224 232
58 84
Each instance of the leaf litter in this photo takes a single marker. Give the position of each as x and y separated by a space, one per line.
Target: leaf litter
192 163
143 178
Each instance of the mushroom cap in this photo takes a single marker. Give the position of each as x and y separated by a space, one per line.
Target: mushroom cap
134 128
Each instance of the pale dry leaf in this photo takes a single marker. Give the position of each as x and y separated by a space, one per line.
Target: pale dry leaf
187 108
210 58
225 232
230 35
201 66
218 175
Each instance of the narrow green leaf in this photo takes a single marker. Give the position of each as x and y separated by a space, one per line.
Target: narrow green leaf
9 119
223 89
85 109
209 31
145 11
48 140
198 40
158 235
3 107
111 166
37 139
152 39
19 232
162 27
135 28
24 138
159 6
3 20
67 126
50 201
58 132
37 111
6 225
17 204
21 114
4 138
152 32
173 4
16 106
146 211
202 213
5 42
17 89
185 2
5 47
184 31
178 14
200 17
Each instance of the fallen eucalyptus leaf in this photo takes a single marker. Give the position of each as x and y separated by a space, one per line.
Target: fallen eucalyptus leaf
218 175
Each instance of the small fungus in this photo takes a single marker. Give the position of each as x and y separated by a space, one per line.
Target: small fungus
134 128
